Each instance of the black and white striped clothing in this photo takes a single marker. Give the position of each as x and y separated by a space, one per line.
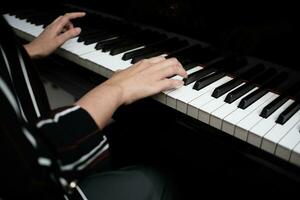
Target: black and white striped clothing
41 151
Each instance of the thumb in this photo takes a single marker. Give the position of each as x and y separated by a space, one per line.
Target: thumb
71 33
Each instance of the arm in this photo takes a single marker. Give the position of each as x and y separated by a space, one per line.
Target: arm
54 35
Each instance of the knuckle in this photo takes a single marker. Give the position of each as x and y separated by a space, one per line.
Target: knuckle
144 61
174 61
64 18
174 68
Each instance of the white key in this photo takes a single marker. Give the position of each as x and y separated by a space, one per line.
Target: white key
196 104
185 95
242 128
24 26
172 94
81 49
216 118
183 101
15 22
236 116
70 42
288 142
113 63
257 132
271 139
192 108
36 30
11 20
295 156
205 111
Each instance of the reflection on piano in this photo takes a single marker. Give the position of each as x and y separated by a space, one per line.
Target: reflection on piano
251 99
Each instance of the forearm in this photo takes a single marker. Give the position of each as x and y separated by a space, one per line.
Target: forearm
101 103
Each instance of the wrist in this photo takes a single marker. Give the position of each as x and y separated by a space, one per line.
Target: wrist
117 92
31 51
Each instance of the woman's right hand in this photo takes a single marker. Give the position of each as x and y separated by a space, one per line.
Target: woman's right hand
146 78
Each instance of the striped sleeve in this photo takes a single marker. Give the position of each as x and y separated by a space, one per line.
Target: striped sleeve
75 138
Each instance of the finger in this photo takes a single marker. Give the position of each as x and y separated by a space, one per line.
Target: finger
141 65
168 68
64 20
145 63
156 59
62 38
75 15
69 25
168 84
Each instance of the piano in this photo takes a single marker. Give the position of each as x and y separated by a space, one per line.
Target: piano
246 97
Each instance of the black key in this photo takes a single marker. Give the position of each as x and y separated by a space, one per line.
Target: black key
237 93
149 55
148 38
125 46
113 34
208 80
138 52
103 44
108 45
89 34
279 101
219 91
198 75
254 96
101 37
131 38
251 98
150 48
262 78
194 53
190 65
249 74
166 49
273 106
224 64
187 52
288 113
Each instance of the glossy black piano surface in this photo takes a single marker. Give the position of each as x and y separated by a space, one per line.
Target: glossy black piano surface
267 36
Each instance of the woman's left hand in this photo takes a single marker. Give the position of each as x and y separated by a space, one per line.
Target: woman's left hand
54 35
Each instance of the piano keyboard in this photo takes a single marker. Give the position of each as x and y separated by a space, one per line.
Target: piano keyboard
228 93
